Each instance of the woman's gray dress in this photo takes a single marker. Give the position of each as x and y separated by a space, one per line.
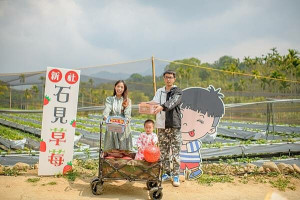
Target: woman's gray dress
113 140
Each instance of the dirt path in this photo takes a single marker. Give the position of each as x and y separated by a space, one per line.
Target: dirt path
13 188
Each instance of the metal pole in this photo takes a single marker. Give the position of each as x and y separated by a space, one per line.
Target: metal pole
9 96
153 74
268 120
100 153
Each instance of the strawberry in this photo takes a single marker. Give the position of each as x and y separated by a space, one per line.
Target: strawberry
46 100
67 168
42 146
73 123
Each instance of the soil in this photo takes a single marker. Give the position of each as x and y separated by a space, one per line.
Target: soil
12 188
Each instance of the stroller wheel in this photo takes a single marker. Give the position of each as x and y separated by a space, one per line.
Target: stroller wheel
151 184
155 193
97 186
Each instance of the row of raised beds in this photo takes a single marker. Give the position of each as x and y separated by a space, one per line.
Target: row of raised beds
231 141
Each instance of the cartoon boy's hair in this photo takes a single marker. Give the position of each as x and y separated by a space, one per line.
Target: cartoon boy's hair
149 121
205 101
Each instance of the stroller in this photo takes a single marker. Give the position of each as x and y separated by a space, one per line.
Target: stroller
131 170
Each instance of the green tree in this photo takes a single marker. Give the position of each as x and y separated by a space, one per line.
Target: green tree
180 73
35 91
22 81
224 61
137 97
42 79
91 87
188 75
3 88
28 96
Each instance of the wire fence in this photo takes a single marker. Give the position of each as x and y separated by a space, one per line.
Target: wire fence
25 91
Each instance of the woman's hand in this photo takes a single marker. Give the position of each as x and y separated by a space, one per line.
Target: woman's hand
125 103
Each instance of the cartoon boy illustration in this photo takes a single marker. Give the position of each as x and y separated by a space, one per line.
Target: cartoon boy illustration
201 111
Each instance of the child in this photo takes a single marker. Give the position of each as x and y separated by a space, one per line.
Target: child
145 139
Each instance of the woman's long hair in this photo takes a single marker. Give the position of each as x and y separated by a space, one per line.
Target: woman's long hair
124 94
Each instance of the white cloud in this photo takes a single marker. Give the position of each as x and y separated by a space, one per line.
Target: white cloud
127 22
68 33
49 35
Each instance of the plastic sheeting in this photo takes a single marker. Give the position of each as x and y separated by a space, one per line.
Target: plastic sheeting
33 144
263 127
13 144
21 127
272 148
77 138
250 149
217 152
246 135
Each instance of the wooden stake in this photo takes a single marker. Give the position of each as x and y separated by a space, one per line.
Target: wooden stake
153 74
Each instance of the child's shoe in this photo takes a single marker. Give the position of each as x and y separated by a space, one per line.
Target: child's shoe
176 182
166 177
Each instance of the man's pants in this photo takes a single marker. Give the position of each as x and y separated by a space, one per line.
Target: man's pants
170 144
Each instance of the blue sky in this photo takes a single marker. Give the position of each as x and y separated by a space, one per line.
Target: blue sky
71 34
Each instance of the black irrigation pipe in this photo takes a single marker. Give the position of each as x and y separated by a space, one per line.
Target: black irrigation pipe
261 155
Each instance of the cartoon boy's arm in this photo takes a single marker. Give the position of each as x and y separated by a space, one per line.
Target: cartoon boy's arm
193 146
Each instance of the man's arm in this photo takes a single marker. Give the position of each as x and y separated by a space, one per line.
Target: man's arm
174 100
156 97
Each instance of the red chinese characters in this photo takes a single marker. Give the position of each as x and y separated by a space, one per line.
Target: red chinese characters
56 158
58 136
55 75
71 77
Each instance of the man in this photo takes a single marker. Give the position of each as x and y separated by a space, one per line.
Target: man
168 122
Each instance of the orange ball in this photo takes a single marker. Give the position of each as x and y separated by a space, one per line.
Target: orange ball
152 154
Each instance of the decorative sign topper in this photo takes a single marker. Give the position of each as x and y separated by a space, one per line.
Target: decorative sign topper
59 120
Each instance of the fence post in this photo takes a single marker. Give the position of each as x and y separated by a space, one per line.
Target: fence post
153 74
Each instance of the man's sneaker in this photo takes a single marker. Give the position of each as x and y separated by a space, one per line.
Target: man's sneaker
165 177
176 182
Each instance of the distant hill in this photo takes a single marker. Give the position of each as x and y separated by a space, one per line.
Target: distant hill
97 80
159 69
110 75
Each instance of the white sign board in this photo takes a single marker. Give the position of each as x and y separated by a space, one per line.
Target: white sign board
59 120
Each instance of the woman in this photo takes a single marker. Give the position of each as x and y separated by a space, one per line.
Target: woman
118 105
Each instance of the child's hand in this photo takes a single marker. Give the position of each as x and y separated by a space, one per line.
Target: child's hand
152 143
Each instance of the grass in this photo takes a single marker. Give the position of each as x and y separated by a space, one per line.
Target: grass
282 183
10 172
88 164
72 175
33 180
206 179
50 183
277 180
